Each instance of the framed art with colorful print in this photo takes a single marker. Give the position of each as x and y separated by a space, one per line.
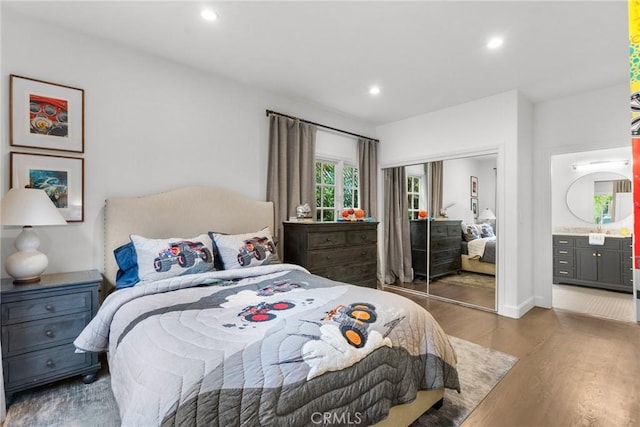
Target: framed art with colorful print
46 115
61 177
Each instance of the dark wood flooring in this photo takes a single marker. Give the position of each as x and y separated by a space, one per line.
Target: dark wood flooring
573 370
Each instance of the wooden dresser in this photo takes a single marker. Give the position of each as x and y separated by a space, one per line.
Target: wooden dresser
341 251
40 322
608 266
444 252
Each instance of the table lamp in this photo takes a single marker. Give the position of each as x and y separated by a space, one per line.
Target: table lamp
487 214
28 207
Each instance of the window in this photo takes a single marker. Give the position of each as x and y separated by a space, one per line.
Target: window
333 195
413 196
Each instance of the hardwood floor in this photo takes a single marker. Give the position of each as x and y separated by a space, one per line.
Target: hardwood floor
573 370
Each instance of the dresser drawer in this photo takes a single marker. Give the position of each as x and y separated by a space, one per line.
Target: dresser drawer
362 237
40 365
449 243
341 256
43 307
349 273
445 255
39 334
327 240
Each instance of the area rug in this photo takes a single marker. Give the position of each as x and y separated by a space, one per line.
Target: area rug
74 404
480 369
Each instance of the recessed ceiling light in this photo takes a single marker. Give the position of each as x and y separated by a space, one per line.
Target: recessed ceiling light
374 90
209 15
495 42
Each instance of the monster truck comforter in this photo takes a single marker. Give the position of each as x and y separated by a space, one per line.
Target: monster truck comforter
265 346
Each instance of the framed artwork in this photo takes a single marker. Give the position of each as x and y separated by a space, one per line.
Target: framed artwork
62 178
46 115
474 186
474 207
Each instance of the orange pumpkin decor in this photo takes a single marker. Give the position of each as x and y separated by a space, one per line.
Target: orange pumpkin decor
345 213
359 213
422 214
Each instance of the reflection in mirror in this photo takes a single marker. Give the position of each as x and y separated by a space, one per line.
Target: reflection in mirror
446 263
600 198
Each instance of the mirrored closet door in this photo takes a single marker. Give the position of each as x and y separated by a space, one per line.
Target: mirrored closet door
451 233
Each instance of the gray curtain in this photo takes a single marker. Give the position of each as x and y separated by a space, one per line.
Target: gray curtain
397 251
291 169
435 188
368 170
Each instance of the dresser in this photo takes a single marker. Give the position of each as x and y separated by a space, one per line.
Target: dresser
40 322
341 251
439 242
608 266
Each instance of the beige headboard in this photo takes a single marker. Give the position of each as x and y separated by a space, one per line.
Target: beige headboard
185 212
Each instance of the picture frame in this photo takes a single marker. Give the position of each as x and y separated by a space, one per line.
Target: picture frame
474 186
45 115
61 177
474 207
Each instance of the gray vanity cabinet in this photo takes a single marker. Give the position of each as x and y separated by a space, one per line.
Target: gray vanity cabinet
576 262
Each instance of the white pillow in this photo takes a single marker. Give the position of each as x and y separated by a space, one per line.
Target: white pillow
162 258
245 250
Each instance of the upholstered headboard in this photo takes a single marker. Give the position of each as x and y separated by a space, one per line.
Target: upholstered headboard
185 212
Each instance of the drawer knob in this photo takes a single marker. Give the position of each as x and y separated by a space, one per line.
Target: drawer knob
49 307
49 333
563 272
563 241
563 252
328 239
50 364
328 256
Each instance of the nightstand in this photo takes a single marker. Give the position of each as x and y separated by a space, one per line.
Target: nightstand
40 322
342 251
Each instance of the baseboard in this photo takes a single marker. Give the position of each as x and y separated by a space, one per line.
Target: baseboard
516 312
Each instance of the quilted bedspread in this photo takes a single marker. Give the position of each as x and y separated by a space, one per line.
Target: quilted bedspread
265 346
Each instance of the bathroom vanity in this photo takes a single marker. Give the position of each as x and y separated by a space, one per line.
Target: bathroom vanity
608 266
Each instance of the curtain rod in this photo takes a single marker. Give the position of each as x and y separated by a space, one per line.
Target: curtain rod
269 112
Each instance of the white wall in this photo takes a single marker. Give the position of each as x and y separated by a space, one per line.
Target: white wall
492 124
150 125
456 184
593 120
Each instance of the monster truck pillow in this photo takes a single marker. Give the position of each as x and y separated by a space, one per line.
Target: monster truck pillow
245 250
162 258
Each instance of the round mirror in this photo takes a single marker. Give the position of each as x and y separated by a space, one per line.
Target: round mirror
600 197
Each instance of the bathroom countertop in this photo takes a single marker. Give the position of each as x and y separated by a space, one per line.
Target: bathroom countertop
586 234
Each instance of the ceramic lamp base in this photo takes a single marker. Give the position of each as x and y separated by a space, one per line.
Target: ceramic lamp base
26 265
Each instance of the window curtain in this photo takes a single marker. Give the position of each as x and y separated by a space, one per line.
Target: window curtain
619 186
435 188
368 169
291 169
397 249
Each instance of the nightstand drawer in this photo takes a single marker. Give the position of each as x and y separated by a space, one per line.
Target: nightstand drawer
39 334
43 364
327 239
39 308
340 256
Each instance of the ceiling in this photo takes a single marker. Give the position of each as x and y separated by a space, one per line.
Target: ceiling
424 55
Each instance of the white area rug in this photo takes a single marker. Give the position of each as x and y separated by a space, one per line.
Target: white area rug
594 302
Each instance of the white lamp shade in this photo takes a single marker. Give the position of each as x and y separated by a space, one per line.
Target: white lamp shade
487 214
29 206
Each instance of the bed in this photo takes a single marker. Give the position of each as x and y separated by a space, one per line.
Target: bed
268 344
478 249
